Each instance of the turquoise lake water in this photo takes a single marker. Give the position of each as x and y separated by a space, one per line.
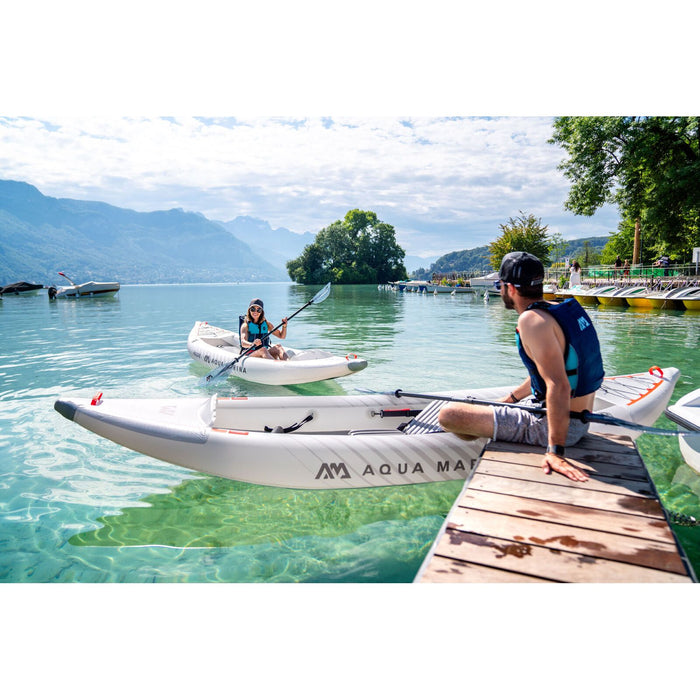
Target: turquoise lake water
77 508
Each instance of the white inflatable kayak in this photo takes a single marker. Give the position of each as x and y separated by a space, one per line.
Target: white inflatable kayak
686 412
327 442
216 347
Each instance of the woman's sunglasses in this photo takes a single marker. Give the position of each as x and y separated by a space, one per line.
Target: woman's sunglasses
255 309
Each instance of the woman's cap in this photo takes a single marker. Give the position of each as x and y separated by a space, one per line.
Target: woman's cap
521 269
256 302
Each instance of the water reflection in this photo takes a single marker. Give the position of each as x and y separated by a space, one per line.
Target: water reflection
213 512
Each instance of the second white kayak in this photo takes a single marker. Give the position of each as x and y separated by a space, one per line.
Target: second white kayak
216 347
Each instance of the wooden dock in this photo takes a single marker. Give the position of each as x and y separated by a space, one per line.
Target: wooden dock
514 523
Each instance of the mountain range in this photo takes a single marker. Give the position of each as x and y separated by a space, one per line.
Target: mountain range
40 235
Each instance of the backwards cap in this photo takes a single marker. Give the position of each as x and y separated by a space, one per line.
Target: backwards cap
521 269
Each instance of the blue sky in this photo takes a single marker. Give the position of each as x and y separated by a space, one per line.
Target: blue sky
95 84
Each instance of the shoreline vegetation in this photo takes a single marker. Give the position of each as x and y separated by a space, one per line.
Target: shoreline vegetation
674 275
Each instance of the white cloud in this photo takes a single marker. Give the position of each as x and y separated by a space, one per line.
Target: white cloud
443 183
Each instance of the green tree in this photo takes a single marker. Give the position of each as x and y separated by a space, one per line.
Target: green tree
526 233
648 166
361 249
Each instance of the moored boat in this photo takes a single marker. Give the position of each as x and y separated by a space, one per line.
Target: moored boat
590 296
567 292
85 290
328 442
686 412
485 285
24 288
690 299
620 295
549 292
448 289
216 347
663 299
416 286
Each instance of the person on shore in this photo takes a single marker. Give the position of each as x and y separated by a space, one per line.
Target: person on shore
255 327
561 352
574 274
626 269
618 265
665 262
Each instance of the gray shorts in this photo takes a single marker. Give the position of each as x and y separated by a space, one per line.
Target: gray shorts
512 424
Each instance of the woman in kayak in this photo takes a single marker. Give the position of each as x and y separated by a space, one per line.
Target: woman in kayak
256 327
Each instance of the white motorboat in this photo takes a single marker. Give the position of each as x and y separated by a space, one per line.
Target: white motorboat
686 412
217 347
485 285
448 289
85 290
416 286
330 442
484 282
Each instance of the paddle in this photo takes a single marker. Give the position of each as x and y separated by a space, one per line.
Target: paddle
320 296
584 416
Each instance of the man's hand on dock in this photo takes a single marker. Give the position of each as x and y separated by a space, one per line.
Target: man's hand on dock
552 462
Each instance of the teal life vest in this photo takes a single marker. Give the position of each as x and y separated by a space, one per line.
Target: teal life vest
582 358
258 330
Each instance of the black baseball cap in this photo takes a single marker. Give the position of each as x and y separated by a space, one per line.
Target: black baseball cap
256 302
521 269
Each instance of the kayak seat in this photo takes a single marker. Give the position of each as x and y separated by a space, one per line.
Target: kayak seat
426 421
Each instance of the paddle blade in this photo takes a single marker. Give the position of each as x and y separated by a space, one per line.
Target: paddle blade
321 295
219 372
214 375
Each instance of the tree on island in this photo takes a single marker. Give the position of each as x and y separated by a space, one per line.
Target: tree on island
360 249
526 233
649 167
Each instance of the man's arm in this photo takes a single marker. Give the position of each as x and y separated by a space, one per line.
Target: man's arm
544 342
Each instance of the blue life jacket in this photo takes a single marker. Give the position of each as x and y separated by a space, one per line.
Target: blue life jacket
582 358
256 330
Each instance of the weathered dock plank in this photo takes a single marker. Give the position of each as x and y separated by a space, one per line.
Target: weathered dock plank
513 523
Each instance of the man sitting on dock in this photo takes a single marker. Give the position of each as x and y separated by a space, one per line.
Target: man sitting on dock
559 347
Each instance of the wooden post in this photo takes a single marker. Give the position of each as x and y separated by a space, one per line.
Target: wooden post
637 251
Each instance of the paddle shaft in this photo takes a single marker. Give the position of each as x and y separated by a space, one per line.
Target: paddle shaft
320 296
583 416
